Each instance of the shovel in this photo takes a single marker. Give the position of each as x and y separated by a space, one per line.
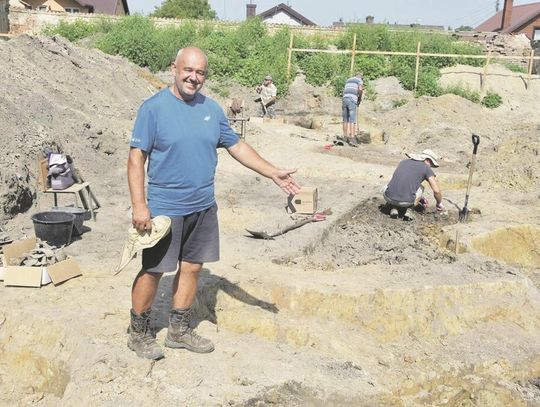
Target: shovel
463 213
318 217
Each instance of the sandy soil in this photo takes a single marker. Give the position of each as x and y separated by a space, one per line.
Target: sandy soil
356 310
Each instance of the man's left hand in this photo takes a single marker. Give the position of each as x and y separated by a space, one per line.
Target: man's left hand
283 179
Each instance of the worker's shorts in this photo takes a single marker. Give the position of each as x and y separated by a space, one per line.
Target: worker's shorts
398 204
194 238
348 107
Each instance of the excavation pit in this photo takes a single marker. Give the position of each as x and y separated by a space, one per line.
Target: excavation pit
514 245
367 235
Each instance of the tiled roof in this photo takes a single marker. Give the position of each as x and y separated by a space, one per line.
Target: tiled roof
520 15
104 6
288 10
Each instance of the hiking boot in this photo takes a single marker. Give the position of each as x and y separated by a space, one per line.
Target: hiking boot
394 213
352 142
142 339
181 336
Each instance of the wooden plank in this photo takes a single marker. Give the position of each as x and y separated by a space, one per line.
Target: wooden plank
531 60
410 54
416 72
353 54
70 190
484 73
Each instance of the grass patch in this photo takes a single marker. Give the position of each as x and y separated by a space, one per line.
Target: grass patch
464 92
399 102
515 68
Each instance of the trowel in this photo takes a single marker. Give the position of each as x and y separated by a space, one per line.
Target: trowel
463 212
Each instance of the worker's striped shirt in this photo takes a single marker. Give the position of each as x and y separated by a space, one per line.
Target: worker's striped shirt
351 88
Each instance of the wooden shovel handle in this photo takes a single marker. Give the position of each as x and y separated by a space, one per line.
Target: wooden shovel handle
476 142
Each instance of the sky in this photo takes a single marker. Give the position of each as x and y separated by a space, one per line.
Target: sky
448 13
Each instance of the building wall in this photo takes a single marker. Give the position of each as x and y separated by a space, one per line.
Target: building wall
281 18
529 29
32 21
54 5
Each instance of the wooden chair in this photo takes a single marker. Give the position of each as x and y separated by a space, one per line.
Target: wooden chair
83 190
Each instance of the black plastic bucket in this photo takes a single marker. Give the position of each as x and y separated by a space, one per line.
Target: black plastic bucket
79 217
55 228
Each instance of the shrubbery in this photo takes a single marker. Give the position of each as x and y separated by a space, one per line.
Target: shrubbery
248 53
492 100
72 31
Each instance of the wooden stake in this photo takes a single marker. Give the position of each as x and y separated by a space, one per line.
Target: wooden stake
353 54
531 60
417 65
290 56
484 74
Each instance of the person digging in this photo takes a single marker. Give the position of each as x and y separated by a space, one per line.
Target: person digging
405 191
352 96
178 131
268 92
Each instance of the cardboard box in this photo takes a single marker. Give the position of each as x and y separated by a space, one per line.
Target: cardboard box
22 276
305 201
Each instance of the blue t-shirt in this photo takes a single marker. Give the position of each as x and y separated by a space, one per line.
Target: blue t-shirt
350 90
181 140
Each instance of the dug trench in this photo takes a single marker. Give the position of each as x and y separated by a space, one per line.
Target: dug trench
367 235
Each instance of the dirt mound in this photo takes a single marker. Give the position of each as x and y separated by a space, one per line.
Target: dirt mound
60 96
304 99
518 93
390 93
434 123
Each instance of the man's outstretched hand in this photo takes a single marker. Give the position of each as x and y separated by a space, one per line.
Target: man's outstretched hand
283 179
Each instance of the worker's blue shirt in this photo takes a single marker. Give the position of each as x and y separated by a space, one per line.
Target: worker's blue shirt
181 139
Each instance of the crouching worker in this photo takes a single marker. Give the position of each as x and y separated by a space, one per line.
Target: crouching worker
405 190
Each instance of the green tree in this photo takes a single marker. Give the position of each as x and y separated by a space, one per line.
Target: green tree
195 9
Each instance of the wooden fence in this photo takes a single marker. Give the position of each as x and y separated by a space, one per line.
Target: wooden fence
418 54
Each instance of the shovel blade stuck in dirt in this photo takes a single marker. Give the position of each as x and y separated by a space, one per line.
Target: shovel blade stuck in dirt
464 212
317 217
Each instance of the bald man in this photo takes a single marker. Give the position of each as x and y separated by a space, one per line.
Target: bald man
178 131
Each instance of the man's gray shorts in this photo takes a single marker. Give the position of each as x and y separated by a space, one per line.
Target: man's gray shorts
194 238
398 204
